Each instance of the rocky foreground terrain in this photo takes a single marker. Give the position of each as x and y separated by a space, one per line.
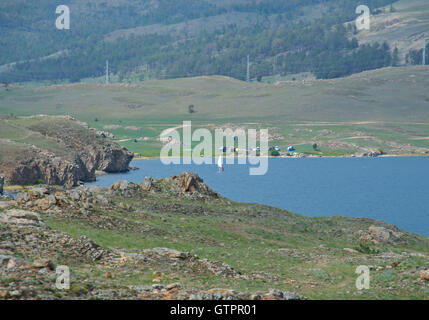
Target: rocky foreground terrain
55 150
176 238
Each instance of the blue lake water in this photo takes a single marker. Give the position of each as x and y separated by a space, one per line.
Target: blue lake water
393 189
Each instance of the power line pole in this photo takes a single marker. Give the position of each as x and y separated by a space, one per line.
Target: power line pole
107 71
248 69
424 52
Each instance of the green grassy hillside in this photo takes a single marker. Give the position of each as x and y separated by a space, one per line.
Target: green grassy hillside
390 94
381 109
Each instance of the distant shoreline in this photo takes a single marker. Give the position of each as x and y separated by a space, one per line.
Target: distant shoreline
309 156
14 188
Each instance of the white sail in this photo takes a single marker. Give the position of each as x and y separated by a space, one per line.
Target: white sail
220 162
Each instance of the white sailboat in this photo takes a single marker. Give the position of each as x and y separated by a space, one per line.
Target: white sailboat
220 163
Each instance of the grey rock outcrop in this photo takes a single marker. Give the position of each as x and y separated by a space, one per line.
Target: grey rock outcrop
50 170
124 188
379 234
190 184
21 218
382 234
72 154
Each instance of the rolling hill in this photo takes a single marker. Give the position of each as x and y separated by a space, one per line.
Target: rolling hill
382 109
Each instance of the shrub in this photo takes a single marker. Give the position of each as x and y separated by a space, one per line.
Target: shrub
368 247
40 181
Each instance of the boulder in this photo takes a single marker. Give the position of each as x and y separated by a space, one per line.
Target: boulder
37 193
424 275
373 153
92 189
22 197
46 203
21 218
105 134
124 188
382 234
5 260
85 246
191 183
147 184
102 200
43 263
377 235
39 197
171 253
121 185
275 294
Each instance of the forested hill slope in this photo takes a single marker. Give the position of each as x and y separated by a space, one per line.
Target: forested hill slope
179 38
404 26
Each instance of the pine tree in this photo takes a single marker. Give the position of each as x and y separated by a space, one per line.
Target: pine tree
395 57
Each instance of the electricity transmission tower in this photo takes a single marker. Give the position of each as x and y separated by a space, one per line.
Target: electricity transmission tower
248 69
107 71
424 52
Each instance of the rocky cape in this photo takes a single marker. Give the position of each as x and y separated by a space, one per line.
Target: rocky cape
30 250
175 238
57 151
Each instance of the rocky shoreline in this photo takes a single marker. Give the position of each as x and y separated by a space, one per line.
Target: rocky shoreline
41 230
72 155
30 250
